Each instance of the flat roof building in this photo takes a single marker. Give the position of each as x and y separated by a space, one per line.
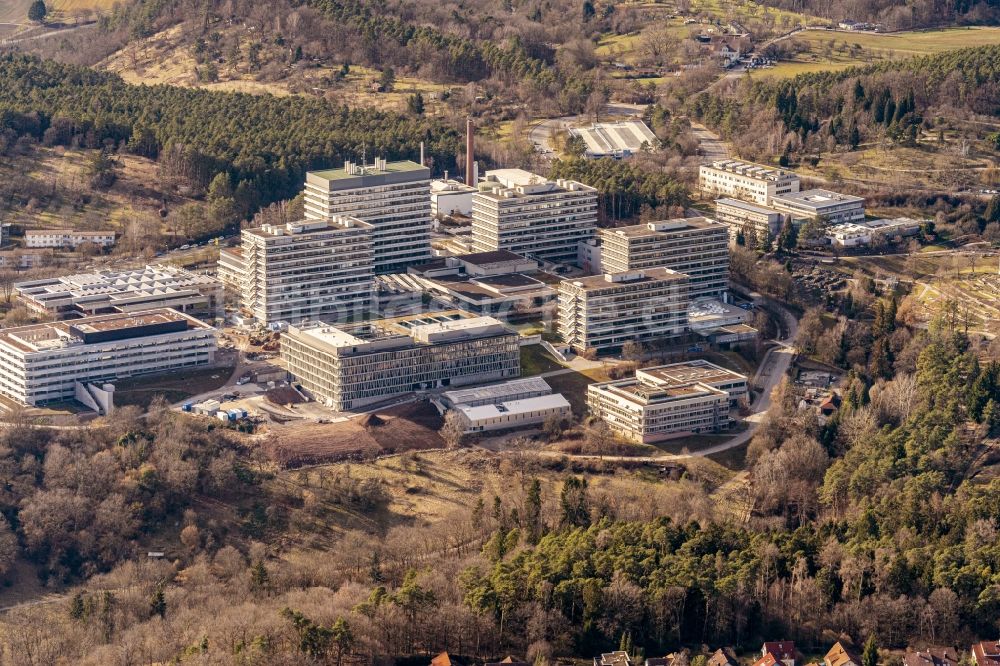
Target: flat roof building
101 292
231 270
44 362
668 401
606 311
833 207
695 246
747 181
313 269
514 414
618 139
352 366
852 234
532 216
746 218
394 197
59 238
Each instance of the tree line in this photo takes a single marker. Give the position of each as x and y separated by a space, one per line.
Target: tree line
264 144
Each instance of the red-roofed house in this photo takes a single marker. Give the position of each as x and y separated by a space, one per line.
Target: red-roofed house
932 656
986 653
780 652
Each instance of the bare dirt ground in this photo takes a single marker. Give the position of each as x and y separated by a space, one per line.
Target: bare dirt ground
411 426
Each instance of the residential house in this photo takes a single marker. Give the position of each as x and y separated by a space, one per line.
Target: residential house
507 661
723 657
842 655
932 656
616 658
773 653
986 653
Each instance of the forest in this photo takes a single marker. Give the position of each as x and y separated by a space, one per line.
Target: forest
891 102
264 144
895 14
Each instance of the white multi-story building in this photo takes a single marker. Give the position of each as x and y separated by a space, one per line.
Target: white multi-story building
696 246
532 216
45 362
350 367
314 269
668 401
606 311
832 207
60 238
745 180
741 216
450 197
394 197
147 288
231 270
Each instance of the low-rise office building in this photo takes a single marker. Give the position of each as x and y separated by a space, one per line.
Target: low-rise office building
394 197
814 204
668 401
514 414
313 269
606 311
695 246
496 283
527 214
853 234
743 216
101 292
44 362
63 238
493 394
350 367
746 181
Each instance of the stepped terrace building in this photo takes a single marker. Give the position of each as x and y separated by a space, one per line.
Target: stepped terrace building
668 401
606 311
746 181
351 367
532 216
394 197
314 269
696 246
103 292
44 362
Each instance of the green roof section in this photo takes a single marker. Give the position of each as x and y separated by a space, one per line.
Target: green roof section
402 166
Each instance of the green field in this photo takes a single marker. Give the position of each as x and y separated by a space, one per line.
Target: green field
835 50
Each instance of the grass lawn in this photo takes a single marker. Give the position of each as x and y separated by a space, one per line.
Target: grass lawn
174 386
835 50
734 459
535 361
573 385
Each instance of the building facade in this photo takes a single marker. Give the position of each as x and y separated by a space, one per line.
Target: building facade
61 238
668 401
532 216
746 181
742 216
314 269
832 207
103 292
450 197
394 197
44 362
697 247
348 368
606 311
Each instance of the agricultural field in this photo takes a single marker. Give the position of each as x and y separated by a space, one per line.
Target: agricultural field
835 50
16 11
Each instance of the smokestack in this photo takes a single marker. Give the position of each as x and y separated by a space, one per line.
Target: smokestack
421 153
470 150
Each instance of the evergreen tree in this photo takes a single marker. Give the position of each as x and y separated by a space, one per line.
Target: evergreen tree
37 11
415 103
76 606
533 511
869 657
260 579
158 603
